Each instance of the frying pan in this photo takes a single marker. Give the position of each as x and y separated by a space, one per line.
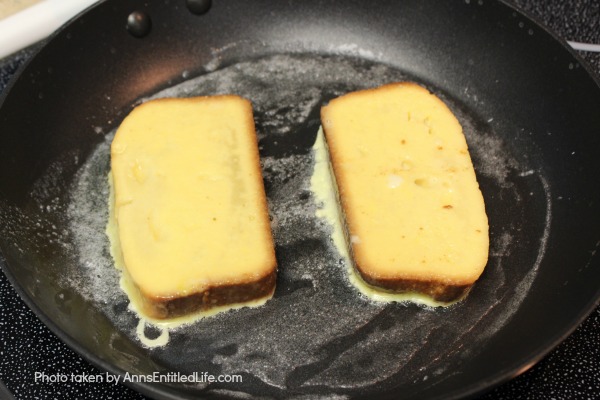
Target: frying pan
530 113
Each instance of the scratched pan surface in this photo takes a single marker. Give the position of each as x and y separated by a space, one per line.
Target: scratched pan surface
530 113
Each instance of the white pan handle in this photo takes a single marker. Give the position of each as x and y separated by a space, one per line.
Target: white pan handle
37 22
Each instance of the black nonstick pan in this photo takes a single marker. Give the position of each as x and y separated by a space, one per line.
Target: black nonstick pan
529 109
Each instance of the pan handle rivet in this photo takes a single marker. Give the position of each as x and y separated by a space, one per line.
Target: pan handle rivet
139 24
198 7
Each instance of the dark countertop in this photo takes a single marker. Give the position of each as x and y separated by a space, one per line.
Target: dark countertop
570 371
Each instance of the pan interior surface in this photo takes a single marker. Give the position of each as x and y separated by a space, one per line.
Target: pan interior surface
529 126
318 333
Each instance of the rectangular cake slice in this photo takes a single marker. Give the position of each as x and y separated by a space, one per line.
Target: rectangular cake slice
413 211
190 206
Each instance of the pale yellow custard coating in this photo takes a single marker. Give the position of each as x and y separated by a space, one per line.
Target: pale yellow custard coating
189 204
414 214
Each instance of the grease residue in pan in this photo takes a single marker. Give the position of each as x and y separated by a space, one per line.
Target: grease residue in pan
318 333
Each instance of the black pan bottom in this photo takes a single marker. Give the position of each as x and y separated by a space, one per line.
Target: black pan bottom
317 335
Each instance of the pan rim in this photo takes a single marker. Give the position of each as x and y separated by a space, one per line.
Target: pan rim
564 43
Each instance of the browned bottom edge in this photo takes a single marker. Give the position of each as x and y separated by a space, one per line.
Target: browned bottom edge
441 292
209 298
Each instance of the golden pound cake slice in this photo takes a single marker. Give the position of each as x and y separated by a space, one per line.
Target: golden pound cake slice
413 211
190 206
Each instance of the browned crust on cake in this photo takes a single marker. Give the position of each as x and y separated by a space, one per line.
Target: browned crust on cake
215 296
437 289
